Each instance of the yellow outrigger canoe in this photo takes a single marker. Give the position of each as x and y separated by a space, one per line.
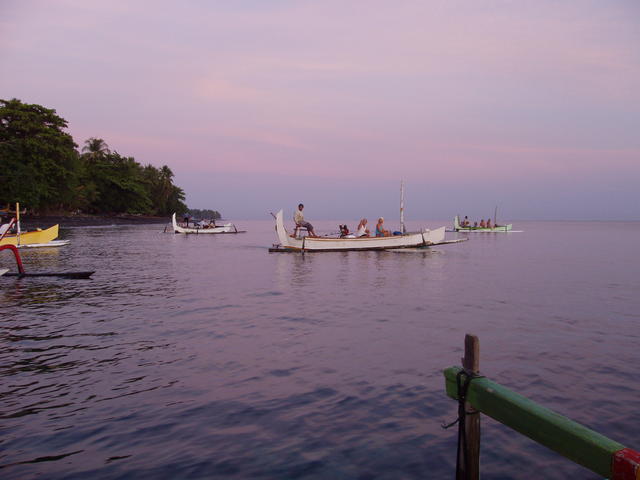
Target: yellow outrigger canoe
32 237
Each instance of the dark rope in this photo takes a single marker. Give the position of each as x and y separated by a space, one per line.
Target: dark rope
462 413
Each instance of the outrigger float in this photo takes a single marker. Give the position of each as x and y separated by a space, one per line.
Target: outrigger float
425 238
21 272
30 239
226 228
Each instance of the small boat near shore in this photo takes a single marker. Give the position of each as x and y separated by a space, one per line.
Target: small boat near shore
33 238
424 238
226 228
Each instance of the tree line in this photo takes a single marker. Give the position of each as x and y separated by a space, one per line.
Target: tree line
42 168
208 214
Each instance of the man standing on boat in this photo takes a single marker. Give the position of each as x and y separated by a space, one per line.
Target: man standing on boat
298 218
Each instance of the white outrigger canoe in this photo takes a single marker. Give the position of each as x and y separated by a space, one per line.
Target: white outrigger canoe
322 244
499 229
226 228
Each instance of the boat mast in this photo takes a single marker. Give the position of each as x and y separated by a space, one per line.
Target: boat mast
18 222
402 227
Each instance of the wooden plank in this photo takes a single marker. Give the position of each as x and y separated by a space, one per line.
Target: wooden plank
566 437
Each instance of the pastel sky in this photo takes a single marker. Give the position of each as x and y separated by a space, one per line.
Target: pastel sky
533 106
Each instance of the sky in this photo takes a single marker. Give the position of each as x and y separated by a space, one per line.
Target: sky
531 106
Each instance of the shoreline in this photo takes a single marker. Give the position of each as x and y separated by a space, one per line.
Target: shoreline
29 222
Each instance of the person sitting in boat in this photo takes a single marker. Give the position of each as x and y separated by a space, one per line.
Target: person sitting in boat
380 230
298 218
465 222
482 224
362 230
475 224
10 227
488 225
345 233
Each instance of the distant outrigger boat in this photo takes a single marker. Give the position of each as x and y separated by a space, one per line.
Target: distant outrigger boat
499 229
425 238
226 228
33 238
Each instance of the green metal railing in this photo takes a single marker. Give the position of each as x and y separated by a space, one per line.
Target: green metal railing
570 439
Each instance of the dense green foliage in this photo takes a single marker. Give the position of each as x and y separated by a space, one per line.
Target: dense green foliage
207 214
41 168
38 161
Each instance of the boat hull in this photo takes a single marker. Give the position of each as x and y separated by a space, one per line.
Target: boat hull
31 237
501 229
314 244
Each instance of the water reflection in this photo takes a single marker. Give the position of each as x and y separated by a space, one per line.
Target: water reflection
294 269
301 269
36 291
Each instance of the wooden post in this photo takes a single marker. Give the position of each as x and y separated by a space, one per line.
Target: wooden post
470 466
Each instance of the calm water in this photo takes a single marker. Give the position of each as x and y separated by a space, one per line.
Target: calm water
201 357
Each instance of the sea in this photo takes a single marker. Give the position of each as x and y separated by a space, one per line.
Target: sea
197 357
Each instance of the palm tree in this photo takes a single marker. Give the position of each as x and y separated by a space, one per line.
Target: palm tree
95 148
166 186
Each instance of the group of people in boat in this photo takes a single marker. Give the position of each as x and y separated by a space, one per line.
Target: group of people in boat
467 224
361 231
201 224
